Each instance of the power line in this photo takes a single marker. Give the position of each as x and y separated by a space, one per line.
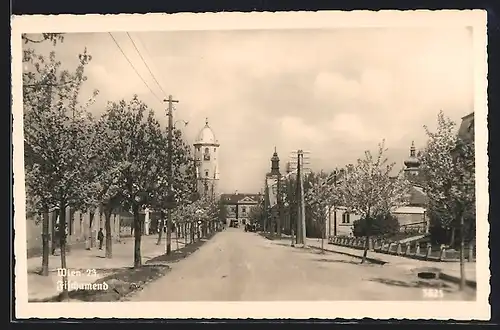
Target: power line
133 67
147 66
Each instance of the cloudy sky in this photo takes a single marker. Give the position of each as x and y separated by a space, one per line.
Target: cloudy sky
333 92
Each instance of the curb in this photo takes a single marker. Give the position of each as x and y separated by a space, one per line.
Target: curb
456 280
372 260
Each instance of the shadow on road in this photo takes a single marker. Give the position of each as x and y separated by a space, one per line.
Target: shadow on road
357 263
414 284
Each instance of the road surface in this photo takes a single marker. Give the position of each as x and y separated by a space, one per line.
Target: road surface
239 266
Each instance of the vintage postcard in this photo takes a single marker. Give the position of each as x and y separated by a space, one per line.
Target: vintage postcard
251 165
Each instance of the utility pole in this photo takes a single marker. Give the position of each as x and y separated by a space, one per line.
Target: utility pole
170 196
335 178
290 201
302 201
298 199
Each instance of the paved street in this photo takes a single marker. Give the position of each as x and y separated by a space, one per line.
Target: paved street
240 266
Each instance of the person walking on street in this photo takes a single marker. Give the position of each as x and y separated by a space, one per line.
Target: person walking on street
100 237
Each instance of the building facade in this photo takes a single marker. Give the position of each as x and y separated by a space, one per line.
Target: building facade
239 206
411 217
206 152
81 231
466 130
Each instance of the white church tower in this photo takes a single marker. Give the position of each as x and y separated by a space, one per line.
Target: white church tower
206 152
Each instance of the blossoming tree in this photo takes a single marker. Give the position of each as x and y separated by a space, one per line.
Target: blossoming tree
58 138
448 164
369 190
136 153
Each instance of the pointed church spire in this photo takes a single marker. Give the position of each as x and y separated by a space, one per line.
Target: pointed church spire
412 164
275 163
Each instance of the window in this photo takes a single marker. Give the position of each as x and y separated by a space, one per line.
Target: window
243 210
215 149
206 150
206 173
197 148
346 217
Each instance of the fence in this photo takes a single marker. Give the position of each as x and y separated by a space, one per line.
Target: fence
414 228
412 250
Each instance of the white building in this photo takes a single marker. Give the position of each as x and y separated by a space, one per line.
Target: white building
206 151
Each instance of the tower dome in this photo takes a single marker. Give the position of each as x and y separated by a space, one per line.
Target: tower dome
206 135
412 162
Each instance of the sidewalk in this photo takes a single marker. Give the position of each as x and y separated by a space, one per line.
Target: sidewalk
449 270
40 287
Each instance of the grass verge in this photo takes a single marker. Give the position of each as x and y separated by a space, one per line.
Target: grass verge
117 285
179 254
269 236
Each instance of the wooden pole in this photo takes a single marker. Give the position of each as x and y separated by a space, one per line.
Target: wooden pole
302 202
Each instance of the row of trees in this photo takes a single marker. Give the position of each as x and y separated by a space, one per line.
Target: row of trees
86 162
371 189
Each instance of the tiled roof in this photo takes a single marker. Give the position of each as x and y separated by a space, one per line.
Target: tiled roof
238 198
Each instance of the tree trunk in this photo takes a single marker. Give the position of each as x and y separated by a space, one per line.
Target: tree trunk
90 242
462 253
169 231
162 224
368 232
272 223
323 234
365 252
137 238
279 223
109 237
54 234
62 244
45 244
184 233
177 236
452 239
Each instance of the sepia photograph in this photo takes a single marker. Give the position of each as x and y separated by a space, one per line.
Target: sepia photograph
241 160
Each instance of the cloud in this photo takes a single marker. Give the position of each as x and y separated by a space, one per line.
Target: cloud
334 92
